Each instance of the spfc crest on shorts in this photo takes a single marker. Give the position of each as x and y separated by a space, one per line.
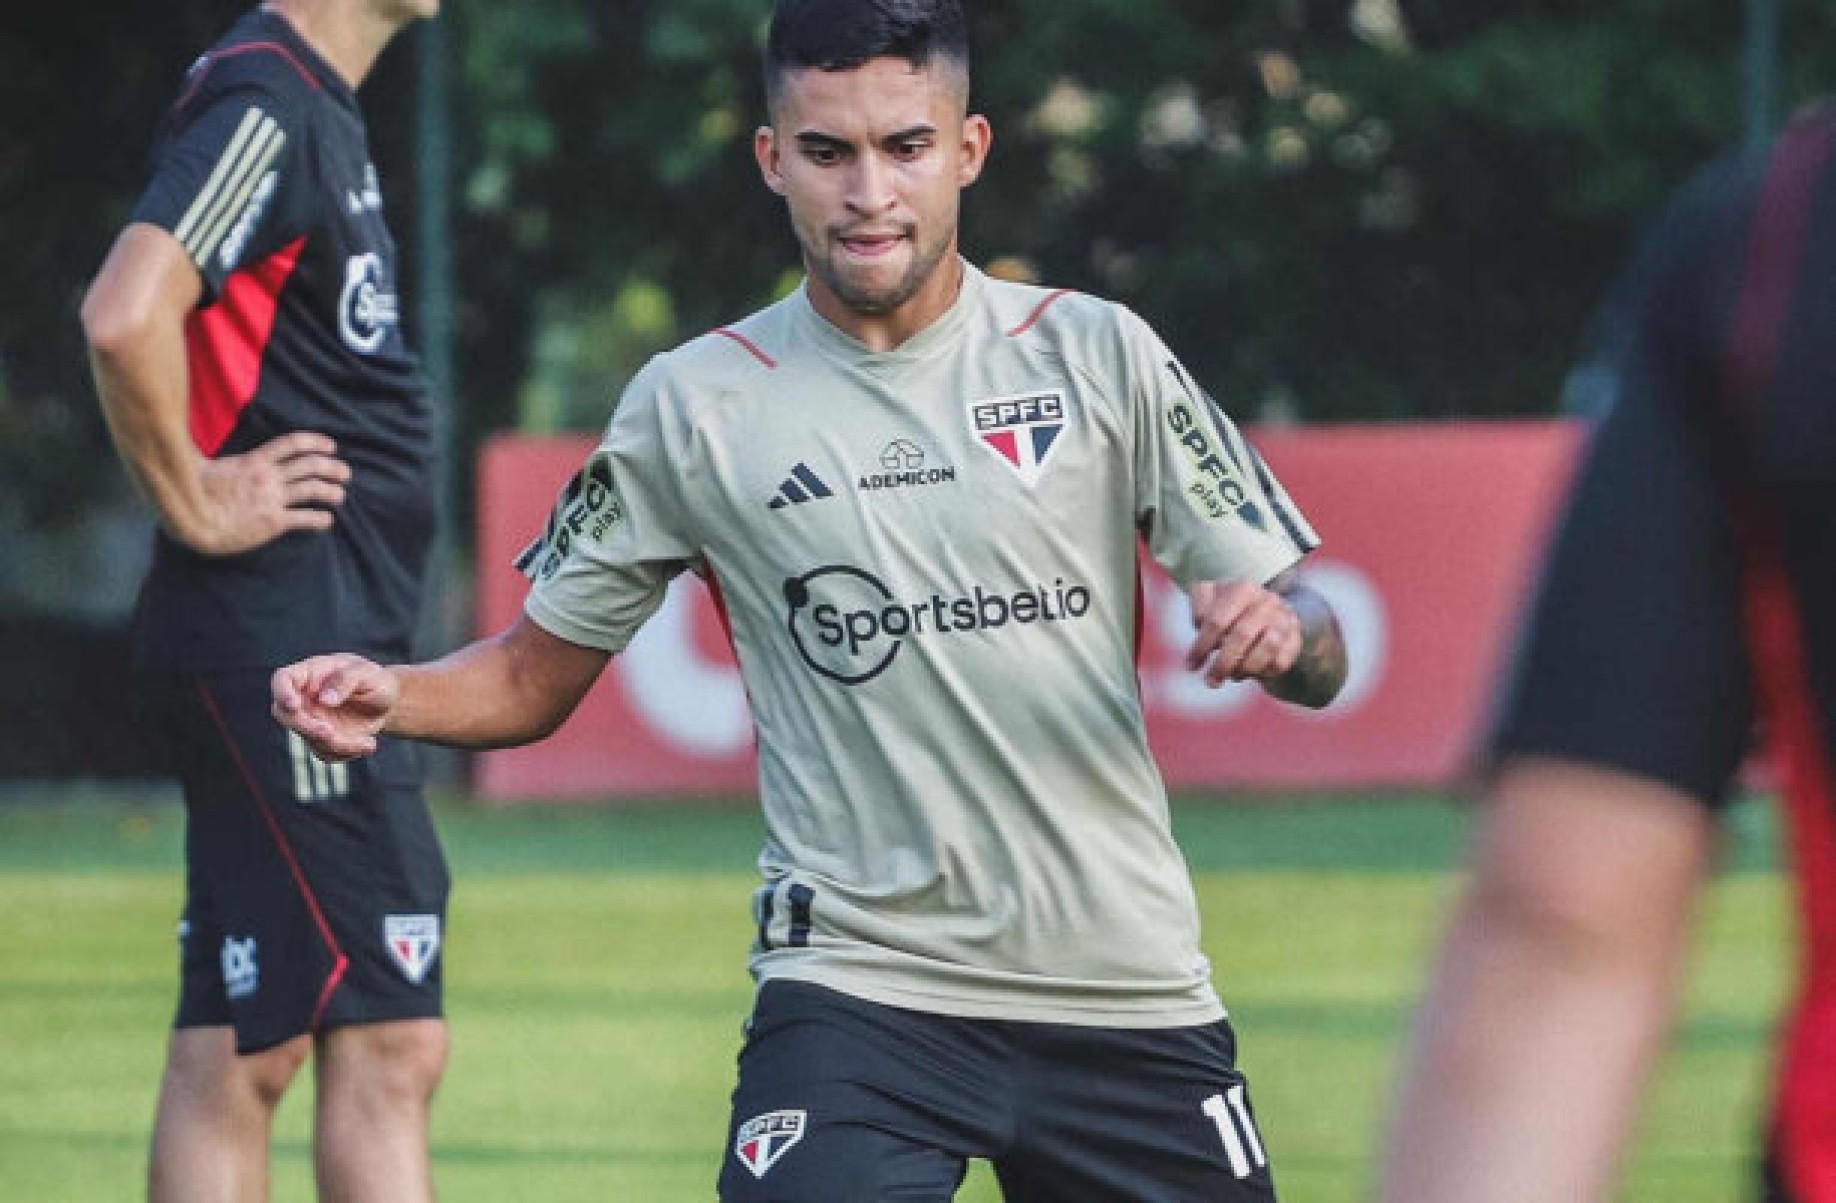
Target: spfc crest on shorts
1022 429
764 1139
414 942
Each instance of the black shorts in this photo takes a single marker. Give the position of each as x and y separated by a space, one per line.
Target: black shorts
315 894
845 1101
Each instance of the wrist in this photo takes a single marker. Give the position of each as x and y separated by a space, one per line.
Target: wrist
178 492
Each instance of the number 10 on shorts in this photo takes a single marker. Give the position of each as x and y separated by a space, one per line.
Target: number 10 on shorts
1242 1145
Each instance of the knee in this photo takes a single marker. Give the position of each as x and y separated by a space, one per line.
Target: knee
270 1072
1563 927
387 1063
204 1070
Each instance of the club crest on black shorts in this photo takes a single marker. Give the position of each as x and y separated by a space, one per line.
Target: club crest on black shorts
763 1139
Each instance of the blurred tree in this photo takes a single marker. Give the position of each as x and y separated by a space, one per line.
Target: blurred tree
1333 208
1342 209
82 87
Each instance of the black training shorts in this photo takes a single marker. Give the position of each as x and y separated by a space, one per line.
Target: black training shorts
315 893
846 1101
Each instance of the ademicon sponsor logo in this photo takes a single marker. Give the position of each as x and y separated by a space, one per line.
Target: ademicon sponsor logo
848 626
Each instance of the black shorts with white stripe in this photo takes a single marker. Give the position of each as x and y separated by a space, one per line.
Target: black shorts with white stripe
315 893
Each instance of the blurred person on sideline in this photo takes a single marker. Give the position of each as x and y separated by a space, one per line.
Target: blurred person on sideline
245 342
1691 591
916 493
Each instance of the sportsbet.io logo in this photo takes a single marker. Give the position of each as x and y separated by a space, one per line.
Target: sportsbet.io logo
849 627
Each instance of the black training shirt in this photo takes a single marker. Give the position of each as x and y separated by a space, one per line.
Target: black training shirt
263 174
1693 581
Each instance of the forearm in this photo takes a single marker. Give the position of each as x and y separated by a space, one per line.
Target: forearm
141 383
1318 672
496 693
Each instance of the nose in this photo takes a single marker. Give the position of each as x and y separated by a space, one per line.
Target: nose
870 186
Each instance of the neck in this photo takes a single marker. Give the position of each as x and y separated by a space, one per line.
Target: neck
889 331
348 34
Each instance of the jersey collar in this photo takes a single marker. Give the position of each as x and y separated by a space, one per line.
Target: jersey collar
939 335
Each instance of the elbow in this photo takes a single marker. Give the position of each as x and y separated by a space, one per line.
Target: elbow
111 327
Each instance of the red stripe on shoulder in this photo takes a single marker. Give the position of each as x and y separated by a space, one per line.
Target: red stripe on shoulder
214 57
226 342
1032 319
751 347
267 48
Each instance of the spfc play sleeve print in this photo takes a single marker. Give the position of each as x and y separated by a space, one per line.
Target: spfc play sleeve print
1207 504
613 542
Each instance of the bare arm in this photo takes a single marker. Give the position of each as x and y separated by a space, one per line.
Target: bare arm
134 320
513 688
1284 635
1553 991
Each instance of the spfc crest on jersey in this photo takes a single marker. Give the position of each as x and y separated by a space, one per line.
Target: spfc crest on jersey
414 942
764 1139
1022 429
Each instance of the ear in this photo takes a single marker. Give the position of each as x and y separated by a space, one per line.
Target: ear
765 150
978 140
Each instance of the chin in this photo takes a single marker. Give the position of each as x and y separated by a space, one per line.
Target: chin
866 296
874 301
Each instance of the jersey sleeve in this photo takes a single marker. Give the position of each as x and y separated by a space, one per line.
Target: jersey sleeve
1634 655
618 535
1206 503
228 180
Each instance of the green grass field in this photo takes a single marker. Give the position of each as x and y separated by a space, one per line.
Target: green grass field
596 984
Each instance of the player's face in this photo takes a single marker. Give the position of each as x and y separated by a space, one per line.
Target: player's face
871 163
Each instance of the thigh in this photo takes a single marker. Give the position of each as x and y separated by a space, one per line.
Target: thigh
1159 1116
315 893
844 1101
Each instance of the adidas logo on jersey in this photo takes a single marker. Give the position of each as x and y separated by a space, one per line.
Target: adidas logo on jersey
800 486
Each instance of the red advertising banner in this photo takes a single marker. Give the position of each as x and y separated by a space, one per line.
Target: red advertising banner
1431 535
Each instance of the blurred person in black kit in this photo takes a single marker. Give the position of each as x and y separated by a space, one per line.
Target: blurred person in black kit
1690 594
245 340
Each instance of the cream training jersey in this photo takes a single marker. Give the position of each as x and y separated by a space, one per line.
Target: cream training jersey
927 562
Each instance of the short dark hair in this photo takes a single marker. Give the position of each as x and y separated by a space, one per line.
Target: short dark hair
841 35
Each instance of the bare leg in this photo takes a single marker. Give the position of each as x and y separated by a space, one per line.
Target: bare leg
216 1110
1554 990
375 1083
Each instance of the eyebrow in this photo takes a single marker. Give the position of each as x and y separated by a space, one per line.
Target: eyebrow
815 139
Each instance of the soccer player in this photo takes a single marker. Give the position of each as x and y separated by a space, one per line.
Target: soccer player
1692 587
917 493
245 338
